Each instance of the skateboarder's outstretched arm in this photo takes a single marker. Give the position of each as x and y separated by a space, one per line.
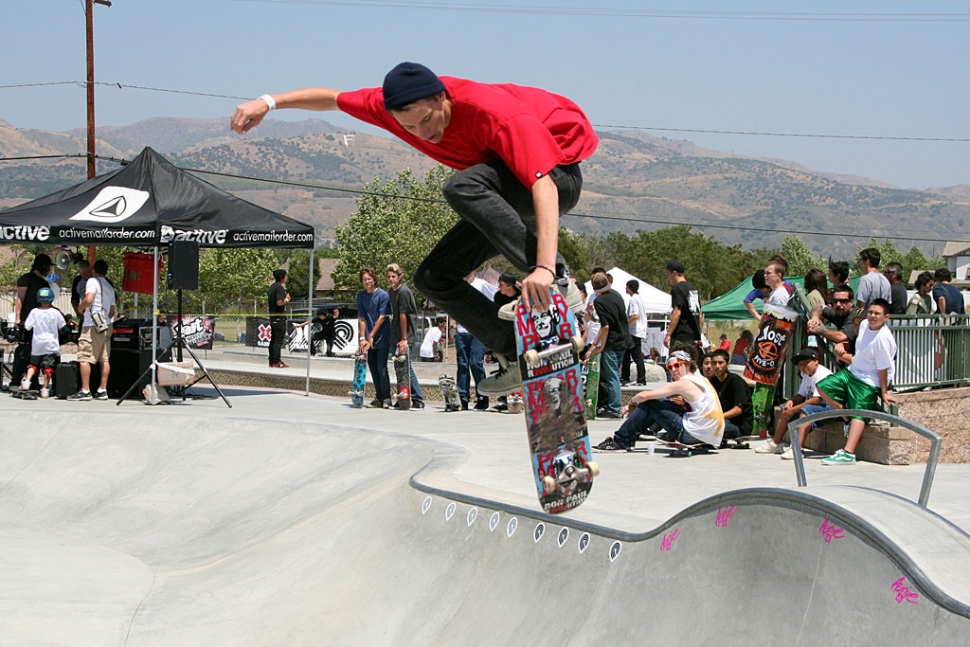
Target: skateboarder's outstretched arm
248 115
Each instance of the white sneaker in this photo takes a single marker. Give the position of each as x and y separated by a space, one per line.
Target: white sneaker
502 382
45 392
769 447
789 455
25 384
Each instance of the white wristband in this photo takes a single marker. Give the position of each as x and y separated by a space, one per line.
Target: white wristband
269 101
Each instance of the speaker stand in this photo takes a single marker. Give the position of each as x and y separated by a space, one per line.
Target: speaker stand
178 343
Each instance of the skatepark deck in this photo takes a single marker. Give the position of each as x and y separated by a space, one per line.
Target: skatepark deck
291 517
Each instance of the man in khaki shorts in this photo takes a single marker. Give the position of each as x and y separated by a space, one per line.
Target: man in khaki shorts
94 345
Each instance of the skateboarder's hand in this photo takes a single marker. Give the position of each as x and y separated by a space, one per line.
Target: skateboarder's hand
248 115
364 345
402 347
535 289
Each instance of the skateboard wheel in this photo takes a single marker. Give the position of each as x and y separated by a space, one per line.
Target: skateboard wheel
577 343
594 469
531 358
548 484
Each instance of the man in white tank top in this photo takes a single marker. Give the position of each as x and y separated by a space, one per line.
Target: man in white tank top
699 420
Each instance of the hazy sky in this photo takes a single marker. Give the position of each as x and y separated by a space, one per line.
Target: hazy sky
887 69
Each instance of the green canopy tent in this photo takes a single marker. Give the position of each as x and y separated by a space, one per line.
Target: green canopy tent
730 305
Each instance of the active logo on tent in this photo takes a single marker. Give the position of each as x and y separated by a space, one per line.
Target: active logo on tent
113 204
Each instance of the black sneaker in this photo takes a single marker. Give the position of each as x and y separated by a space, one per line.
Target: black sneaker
609 445
417 405
376 404
501 406
482 404
100 395
80 395
608 414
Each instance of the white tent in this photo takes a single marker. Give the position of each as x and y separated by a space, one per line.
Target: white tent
656 301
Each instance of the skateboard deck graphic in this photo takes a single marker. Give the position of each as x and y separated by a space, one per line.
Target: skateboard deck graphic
449 390
360 381
592 386
402 372
548 346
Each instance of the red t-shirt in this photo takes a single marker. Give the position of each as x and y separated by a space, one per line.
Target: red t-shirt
529 129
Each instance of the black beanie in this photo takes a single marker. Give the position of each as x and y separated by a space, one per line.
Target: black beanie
409 82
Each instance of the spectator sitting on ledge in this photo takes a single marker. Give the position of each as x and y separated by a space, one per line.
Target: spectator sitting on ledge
869 374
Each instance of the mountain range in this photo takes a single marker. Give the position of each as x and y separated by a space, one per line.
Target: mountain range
634 181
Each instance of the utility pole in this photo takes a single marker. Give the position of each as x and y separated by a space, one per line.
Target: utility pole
89 27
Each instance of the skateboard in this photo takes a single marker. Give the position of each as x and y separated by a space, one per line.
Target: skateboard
680 449
548 346
402 371
741 442
592 386
449 389
360 380
30 394
515 402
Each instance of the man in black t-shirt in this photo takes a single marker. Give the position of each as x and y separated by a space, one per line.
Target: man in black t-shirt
733 393
277 297
837 315
612 340
27 286
685 304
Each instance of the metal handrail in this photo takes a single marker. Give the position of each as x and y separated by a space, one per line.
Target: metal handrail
936 442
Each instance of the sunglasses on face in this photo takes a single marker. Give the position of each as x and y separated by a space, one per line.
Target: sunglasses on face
842 300
671 365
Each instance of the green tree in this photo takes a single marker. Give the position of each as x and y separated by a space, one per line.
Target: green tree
398 221
801 259
298 281
228 277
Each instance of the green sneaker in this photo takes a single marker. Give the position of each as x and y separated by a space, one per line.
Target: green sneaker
840 457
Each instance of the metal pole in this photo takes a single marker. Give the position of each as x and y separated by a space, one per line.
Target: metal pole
89 46
309 326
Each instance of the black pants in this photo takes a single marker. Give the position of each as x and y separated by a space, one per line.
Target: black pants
278 328
497 217
636 353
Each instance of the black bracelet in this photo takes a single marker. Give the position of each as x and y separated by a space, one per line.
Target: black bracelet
548 269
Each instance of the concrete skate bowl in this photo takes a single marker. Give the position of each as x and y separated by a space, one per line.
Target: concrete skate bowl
250 534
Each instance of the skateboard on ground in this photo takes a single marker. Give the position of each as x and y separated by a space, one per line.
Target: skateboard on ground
449 390
29 394
741 442
548 346
515 403
680 449
360 381
592 385
402 371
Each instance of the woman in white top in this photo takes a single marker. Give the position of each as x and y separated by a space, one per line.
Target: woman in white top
687 408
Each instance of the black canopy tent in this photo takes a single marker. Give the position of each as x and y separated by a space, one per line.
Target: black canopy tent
150 203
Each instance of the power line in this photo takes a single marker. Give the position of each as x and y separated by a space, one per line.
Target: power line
592 216
642 13
747 133
806 135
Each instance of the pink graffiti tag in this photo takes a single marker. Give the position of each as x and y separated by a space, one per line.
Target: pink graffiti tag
904 593
830 531
668 541
724 515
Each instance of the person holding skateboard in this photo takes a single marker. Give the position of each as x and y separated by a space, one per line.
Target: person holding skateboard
701 422
374 342
403 309
517 152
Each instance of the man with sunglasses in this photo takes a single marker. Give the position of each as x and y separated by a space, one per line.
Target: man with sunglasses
837 316
701 420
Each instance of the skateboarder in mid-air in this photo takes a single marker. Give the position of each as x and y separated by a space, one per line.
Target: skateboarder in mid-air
517 150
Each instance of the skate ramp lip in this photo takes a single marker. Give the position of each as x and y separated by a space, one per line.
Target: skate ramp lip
182 527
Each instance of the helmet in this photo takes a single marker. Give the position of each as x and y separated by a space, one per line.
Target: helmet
45 295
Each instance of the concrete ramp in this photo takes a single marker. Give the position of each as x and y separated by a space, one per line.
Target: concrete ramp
135 528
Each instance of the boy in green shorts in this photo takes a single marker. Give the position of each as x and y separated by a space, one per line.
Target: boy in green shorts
870 371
